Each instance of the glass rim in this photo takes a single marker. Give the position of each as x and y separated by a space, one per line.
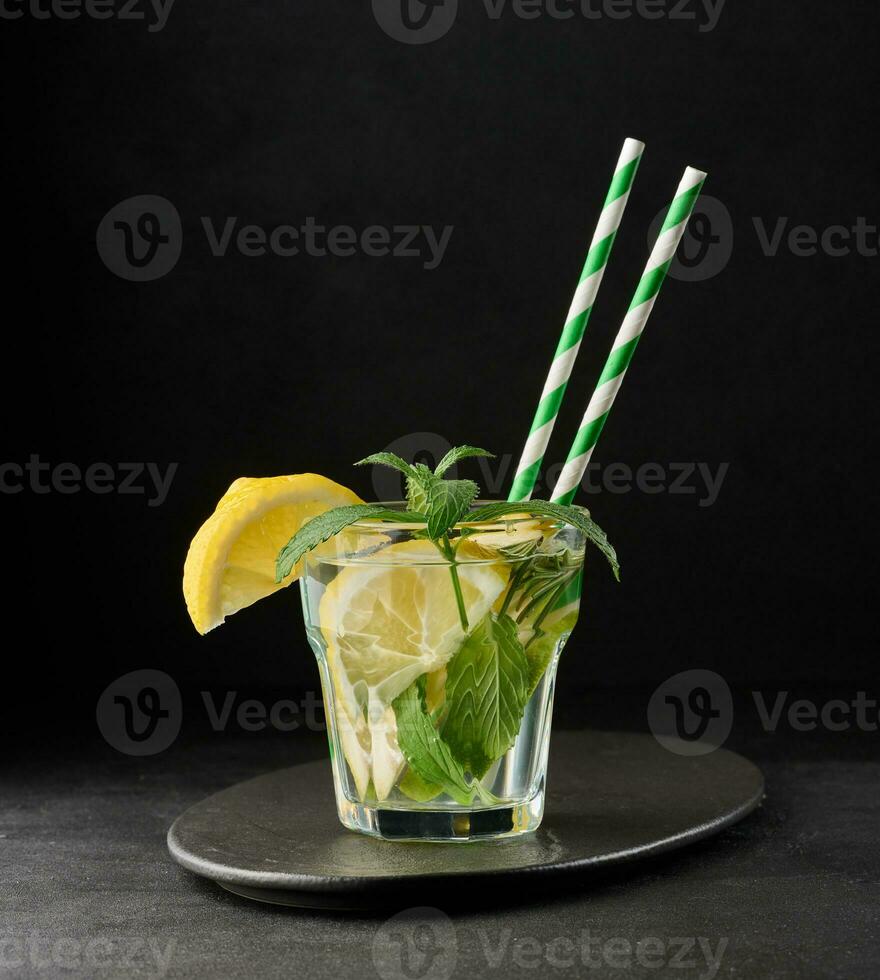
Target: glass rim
380 524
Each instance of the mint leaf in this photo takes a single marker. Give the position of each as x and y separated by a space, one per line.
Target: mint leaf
578 517
417 483
423 748
386 459
454 455
324 526
448 501
487 686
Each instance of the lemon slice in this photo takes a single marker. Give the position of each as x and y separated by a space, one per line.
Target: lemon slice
488 544
385 623
231 561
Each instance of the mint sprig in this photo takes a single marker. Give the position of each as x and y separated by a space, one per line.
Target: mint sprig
442 501
439 504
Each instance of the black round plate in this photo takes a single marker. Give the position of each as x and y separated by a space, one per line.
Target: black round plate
612 797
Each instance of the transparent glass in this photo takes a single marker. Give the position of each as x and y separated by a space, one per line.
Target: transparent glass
438 663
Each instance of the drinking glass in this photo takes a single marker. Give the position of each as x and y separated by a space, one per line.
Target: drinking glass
438 663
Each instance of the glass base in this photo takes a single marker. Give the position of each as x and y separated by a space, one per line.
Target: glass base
451 825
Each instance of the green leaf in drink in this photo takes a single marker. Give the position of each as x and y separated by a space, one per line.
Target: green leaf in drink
424 749
487 687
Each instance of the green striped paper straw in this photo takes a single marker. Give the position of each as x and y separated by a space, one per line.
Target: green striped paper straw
628 337
576 321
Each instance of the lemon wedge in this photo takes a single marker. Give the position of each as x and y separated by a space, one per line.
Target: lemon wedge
231 561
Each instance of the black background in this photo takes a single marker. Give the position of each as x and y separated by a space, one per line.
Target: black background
258 366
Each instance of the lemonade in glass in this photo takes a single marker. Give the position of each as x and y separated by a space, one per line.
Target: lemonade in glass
438 670
437 623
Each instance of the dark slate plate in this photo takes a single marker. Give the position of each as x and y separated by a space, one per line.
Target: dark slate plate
612 798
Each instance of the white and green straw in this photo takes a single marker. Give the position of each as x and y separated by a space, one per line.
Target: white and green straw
628 337
576 321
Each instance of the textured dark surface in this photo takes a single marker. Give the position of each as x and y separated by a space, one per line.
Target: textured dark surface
790 892
613 797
